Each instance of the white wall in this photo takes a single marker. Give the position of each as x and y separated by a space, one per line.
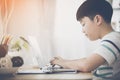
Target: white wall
69 41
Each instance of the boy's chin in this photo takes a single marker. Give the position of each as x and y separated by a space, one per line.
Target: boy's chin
93 39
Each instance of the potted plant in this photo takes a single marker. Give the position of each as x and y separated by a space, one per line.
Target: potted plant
9 64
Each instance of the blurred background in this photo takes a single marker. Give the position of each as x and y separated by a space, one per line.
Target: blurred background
50 26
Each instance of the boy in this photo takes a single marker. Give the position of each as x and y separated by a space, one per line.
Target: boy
95 18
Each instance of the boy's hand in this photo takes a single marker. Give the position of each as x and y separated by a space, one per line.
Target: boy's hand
57 60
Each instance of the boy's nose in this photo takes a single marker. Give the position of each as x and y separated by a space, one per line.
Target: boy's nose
83 30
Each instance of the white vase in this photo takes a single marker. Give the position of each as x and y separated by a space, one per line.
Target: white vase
6 66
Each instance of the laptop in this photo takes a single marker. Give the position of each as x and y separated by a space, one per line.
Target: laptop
49 69
43 69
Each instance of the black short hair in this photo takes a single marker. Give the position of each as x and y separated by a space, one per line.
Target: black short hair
90 8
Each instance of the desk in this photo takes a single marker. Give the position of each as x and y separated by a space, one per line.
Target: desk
58 76
80 76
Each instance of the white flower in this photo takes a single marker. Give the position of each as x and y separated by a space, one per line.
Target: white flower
15 43
18 43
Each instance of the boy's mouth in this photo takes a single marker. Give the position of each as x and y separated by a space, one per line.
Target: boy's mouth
85 34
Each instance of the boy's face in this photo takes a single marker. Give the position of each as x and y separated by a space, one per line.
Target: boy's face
90 28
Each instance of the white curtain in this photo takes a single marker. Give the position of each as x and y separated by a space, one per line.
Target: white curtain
33 18
6 10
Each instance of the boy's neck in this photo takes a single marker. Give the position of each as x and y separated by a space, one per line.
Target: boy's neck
106 29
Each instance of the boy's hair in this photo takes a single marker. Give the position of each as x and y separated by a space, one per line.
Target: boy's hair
90 8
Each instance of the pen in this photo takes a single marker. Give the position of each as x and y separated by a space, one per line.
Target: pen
53 65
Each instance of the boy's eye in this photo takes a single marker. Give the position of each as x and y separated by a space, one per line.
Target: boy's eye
83 25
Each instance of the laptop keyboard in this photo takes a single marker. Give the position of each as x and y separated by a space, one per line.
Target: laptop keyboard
56 69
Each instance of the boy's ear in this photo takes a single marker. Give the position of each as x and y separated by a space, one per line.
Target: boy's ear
98 19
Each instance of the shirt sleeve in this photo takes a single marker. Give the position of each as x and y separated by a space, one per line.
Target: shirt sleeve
108 51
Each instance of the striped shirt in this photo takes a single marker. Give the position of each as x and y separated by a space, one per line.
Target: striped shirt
109 49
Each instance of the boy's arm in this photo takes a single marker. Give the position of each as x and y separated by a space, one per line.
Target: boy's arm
84 64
